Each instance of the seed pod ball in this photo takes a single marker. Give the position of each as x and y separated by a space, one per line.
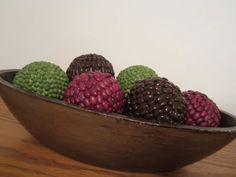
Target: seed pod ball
88 63
202 111
158 100
95 90
43 78
130 75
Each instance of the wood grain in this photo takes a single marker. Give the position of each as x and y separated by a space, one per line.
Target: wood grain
22 156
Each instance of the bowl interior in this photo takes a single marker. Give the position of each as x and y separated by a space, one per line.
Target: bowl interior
227 120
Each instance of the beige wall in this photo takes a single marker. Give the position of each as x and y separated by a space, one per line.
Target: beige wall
191 42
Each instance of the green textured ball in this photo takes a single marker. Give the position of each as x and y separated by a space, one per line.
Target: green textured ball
130 75
42 78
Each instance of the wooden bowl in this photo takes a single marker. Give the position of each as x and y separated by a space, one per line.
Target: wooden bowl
112 140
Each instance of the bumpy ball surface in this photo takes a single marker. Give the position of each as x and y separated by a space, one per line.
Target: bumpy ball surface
42 78
96 90
130 75
202 111
89 62
157 99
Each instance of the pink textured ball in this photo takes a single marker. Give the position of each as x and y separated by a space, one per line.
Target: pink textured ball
95 90
202 111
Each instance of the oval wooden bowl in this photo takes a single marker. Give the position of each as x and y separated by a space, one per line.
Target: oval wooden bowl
112 140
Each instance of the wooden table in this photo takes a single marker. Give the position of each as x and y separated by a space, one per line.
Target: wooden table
22 156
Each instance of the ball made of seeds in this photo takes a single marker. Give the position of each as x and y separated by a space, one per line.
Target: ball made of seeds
202 111
96 90
89 62
158 100
130 75
42 78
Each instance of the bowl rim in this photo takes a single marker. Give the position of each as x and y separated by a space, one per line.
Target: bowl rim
131 119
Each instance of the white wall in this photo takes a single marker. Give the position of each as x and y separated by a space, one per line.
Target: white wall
191 42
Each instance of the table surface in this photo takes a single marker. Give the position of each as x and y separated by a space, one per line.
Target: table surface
22 156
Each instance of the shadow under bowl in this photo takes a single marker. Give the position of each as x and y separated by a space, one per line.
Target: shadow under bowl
112 140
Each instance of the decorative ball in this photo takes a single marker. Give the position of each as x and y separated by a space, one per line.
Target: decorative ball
130 75
42 78
202 111
89 63
158 100
96 90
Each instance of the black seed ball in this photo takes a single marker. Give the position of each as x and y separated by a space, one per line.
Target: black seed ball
158 100
89 62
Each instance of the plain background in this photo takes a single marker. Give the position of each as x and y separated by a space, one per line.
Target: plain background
190 42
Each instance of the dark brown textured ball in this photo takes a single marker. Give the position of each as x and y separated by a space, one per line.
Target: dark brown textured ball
158 100
89 62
